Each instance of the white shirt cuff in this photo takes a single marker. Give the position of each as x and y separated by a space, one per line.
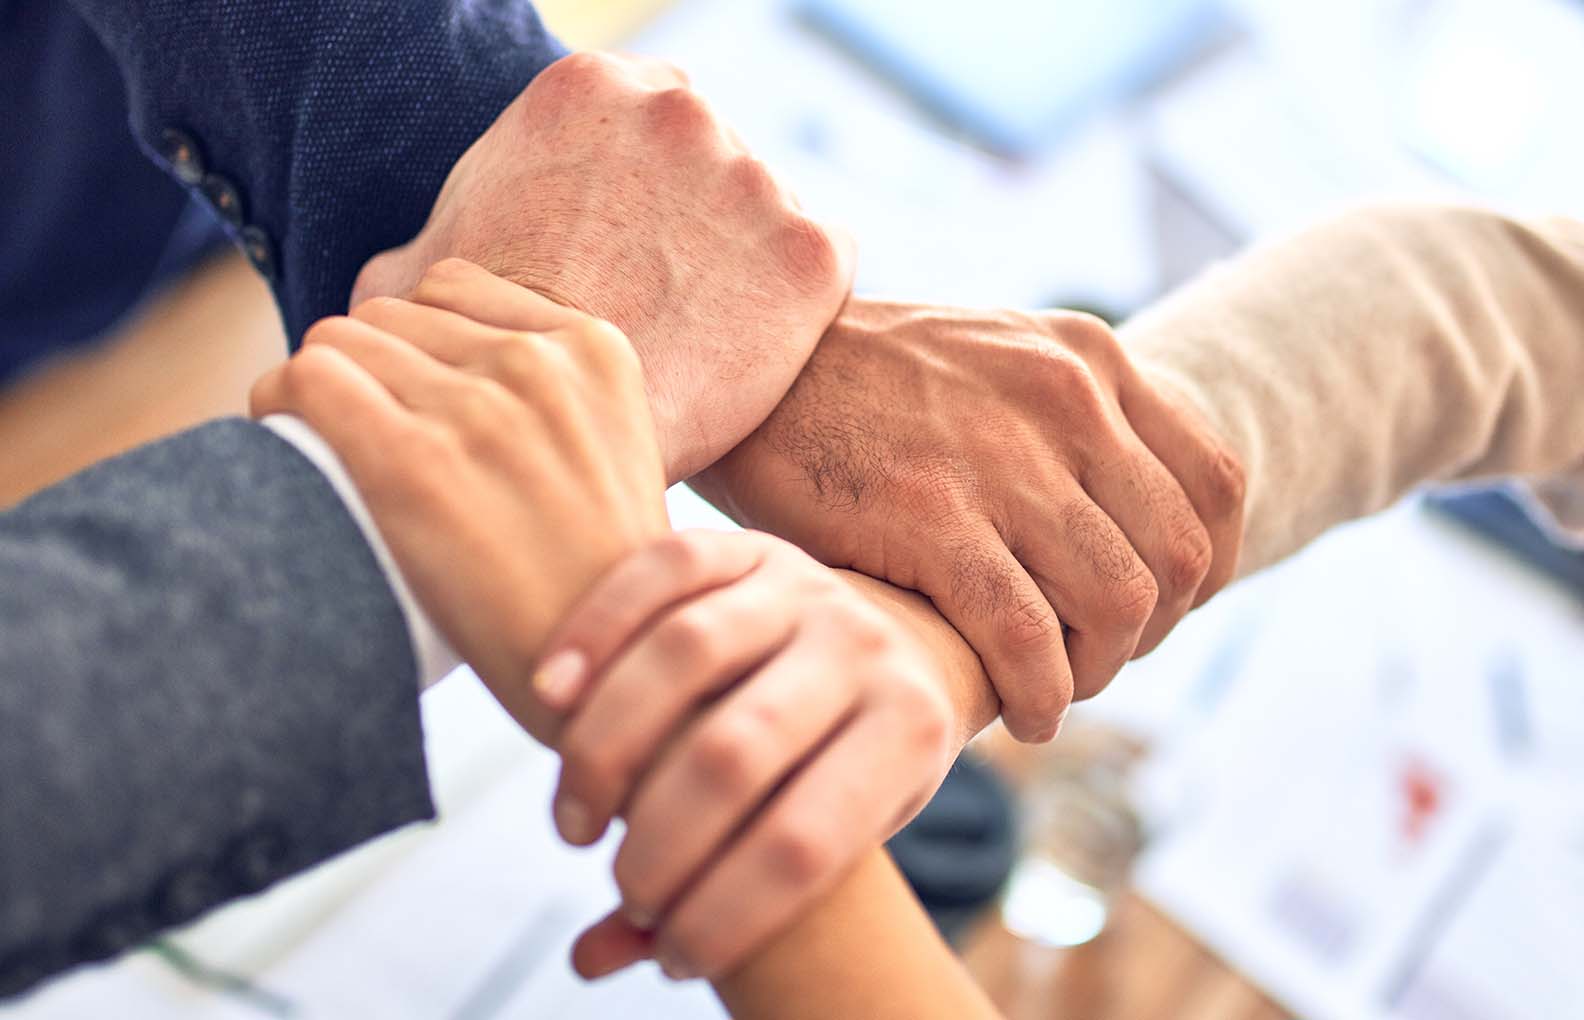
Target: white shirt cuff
431 651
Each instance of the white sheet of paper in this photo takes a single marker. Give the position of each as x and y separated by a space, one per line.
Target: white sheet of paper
1361 771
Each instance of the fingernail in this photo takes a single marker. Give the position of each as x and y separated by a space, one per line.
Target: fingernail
674 967
638 917
575 821
1061 721
560 678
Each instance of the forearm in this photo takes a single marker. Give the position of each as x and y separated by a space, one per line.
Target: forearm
867 951
1385 349
205 687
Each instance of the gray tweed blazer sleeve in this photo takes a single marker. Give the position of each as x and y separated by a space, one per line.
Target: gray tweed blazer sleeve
205 686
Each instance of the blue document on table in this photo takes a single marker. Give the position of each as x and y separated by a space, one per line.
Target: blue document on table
1016 73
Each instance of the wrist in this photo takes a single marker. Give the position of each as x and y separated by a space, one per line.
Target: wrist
973 698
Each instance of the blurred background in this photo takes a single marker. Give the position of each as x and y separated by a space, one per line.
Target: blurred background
1349 788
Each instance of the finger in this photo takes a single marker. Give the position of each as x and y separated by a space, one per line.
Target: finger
446 336
608 946
986 594
715 778
678 566
790 856
1102 590
1143 499
357 416
688 655
1207 471
268 394
414 378
459 286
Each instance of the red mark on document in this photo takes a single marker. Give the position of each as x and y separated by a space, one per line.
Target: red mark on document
1423 797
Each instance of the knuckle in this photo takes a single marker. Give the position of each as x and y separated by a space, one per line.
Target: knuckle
443 456
1092 337
439 281
307 370
516 362
1036 715
480 417
473 411
689 637
798 855
866 638
1055 363
748 177
608 348
684 554
1227 483
590 769
863 633
1132 600
1069 379
928 716
328 330
680 113
582 67
723 756
1029 625
985 584
376 307
450 269
808 253
1188 559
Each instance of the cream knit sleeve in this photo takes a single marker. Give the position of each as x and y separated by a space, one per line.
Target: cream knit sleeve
1387 348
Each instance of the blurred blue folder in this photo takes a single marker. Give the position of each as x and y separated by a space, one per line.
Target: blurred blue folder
1493 514
1016 73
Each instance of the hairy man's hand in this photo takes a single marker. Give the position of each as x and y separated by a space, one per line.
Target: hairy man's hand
1062 512
612 187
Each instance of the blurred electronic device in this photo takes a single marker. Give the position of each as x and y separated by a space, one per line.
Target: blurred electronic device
1015 73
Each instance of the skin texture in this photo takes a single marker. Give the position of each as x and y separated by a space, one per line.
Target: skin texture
615 942
868 950
1060 510
758 723
452 381
611 187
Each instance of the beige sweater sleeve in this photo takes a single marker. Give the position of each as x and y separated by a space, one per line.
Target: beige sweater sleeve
1388 348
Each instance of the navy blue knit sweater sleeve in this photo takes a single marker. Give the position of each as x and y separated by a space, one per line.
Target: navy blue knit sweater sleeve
321 130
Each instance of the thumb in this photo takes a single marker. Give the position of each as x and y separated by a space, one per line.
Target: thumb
609 946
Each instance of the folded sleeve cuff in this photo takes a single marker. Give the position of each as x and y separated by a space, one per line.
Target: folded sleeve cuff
431 651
